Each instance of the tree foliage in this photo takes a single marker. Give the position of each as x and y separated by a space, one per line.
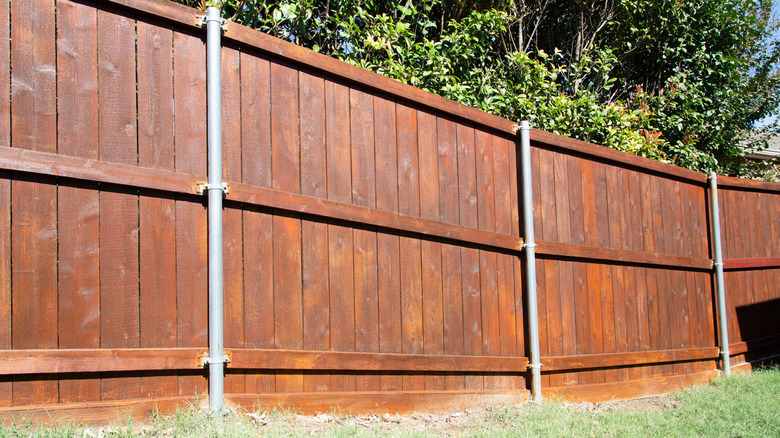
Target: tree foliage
680 81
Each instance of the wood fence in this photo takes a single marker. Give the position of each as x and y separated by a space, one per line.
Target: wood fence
372 234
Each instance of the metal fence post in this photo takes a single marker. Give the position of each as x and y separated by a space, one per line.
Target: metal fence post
721 293
530 259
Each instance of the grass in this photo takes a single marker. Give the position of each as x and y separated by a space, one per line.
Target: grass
746 405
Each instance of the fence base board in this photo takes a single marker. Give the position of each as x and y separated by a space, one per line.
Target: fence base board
120 411
97 413
365 402
602 392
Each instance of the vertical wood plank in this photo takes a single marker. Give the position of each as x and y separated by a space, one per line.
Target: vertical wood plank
704 289
452 294
631 240
486 212
232 244
119 290
340 238
6 388
628 301
5 77
505 262
189 90
689 248
469 257
257 222
651 277
365 243
593 191
668 288
316 307
285 171
33 202
78 216
680 328
548 298
617 303
388 245
581 330
432 312
410 262
157 214
515 200
655 241
565 269
640 314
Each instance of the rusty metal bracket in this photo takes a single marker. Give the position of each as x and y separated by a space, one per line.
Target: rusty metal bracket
204 359
204 187
203 20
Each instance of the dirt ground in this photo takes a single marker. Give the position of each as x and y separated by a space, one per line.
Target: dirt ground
448 423
439 424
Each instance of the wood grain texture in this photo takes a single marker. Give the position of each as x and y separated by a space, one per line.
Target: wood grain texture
361 361
157 214
285 172
611 391
451 274
78 216
232 243
609 360
367 402
257 223
430 154
298 54
504 262
184 183
5 73
100 413
189 90
340 238
365 241
119 292
6 388
33 202
388 245
469 257
316 306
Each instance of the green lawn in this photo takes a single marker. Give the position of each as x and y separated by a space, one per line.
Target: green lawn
746 405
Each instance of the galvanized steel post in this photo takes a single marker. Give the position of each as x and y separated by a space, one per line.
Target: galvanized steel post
716 248
215 188
530 259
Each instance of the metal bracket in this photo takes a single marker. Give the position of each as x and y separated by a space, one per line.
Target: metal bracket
716 264
532 366
204 359
518 128
203 187
203 21
712 176
530 245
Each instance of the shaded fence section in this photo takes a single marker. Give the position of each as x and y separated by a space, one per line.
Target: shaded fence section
751 250
371 230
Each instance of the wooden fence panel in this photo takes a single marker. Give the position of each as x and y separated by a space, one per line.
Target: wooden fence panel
647 305
751 249
371 234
